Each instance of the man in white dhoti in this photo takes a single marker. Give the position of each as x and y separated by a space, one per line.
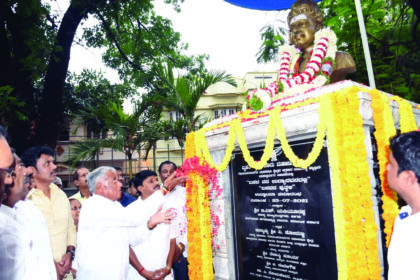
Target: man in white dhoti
103 238
156 252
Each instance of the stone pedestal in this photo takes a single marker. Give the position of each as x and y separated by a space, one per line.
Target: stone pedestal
278 262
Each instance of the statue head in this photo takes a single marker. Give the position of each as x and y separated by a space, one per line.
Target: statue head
305 18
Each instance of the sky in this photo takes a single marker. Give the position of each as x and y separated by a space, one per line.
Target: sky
228 33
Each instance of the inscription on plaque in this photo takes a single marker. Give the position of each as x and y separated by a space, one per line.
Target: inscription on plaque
284 217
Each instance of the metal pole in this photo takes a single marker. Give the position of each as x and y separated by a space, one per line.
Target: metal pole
365 44
154 156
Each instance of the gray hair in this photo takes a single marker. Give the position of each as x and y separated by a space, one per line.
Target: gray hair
96 176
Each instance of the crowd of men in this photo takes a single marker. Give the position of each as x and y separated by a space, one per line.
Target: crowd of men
98 233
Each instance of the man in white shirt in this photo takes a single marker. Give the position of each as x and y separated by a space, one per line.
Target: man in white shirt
403 174
12 249
39 260
103 239
155 252
177 198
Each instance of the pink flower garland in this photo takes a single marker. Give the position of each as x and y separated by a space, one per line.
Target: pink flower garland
210 175
316 74
312 68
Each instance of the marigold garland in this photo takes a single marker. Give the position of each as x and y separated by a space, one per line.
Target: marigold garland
358 180
384 130
407 121
336 183
356 229
317 146
198 214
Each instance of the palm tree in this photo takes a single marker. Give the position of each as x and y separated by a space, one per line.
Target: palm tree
127 131
143 128
185 91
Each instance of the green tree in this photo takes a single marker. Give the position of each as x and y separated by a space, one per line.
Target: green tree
393 34
90 90
130 132
35 52
183 94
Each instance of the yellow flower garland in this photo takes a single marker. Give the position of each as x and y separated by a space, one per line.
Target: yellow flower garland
384 130
199 225
356 230
407 121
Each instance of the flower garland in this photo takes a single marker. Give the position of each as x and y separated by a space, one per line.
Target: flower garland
318 69
316 74
275 124
407 121
356 230
194 165
334 142
198 213
358 201
319 140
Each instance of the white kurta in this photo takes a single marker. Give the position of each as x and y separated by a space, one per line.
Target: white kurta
404 249
152 252
103 240
13 247
41 263
177 199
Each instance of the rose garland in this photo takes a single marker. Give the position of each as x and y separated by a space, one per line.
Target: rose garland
210 175
316 74
353 215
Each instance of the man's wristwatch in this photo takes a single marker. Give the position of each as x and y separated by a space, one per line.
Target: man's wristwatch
71 251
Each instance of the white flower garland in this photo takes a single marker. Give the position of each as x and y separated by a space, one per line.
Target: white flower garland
316 73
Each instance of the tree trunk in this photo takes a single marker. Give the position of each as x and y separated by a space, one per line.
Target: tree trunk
52 108
13 51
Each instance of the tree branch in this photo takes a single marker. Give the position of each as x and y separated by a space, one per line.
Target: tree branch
114 40
157 45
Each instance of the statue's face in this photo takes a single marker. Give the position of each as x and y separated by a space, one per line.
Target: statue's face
302 33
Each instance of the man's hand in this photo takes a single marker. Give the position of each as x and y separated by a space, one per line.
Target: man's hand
178 252
66 263
163 272
173 181
151 275
161 217
60 267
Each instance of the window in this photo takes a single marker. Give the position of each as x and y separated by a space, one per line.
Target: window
174 116
220 113
95 135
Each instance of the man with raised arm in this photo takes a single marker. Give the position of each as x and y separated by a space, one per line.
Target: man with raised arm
177 198
103 250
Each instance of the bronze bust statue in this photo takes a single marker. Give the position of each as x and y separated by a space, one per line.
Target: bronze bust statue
304 20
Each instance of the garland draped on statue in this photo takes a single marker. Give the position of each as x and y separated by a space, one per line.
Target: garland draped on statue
342 125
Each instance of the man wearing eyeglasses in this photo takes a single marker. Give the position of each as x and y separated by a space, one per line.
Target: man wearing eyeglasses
12 262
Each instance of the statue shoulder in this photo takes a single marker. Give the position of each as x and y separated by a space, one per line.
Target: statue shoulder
344 60
344 64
